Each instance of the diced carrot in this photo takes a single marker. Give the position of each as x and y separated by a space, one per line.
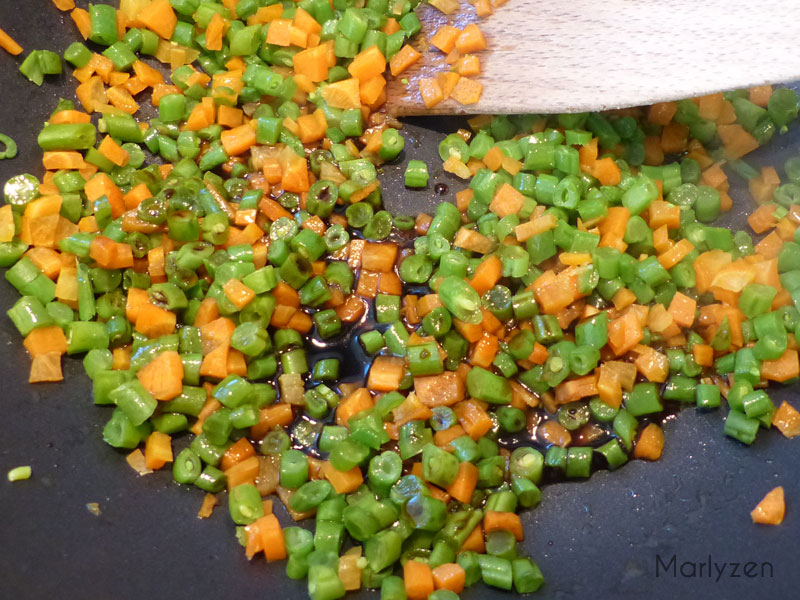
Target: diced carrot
46 368
736 140
430 91
404 58
443 437
266 14
484 351
392 26
683 308
474 541
386 374
554 292
770 246
351 310
464 485
759 95
236 364
449 576
575 389
661 113
703 355
445 38
411 409
147 74
236 453
101 185
69 117
8 43
535 226
286 295
623 298
367 286
507 200
238 140
160 90
471 331
436 390
707 266
624 333
294 177
370 90
676 253
46 340
447 80
390 283
230 117
653 152
467 91
539 354
469 65
342 94
207 506
493 159
83 21
121 360
110 254
418 580
484 8
367 64
272 538
214 32
587 155
650 443
786 419
674 138
651 363
157 450
238 293
771 509
137 299
782 369
487 274
343 482
154 321
159 17
606 171
763 218
353 404
163 376
55 161
113 152
277 415
379 256
210 406
710 106
245 471
46 259
509 521
305 22
312 62
474 419
470 39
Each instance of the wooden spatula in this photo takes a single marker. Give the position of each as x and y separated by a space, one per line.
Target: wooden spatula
584 55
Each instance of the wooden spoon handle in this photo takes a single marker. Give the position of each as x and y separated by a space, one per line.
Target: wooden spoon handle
585 55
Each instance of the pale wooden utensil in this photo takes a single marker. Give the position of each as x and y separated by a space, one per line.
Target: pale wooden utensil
585 55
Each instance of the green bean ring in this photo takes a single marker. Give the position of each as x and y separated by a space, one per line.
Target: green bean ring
11 147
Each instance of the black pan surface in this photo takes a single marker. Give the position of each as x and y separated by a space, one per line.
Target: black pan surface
613 536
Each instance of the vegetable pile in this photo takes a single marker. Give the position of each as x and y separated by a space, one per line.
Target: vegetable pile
216 264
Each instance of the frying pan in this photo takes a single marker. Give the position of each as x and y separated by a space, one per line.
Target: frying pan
601 538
